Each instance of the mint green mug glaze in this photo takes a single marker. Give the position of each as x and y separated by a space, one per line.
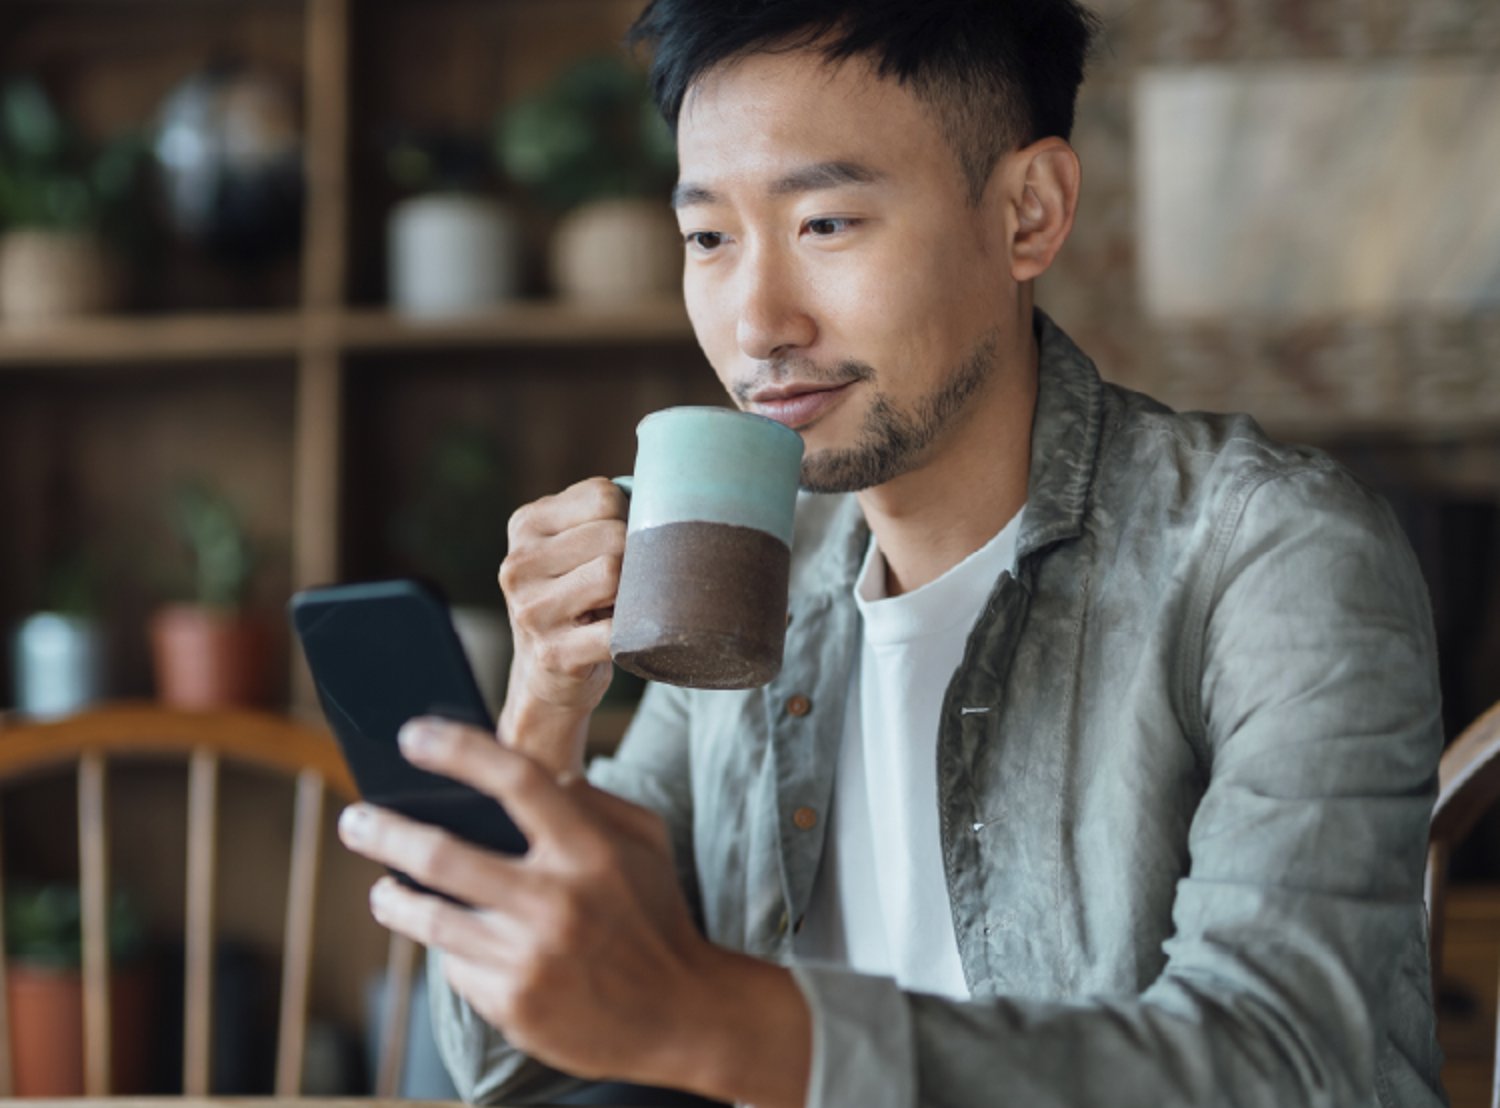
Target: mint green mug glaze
703 586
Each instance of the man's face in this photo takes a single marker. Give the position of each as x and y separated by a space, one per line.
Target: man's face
838 277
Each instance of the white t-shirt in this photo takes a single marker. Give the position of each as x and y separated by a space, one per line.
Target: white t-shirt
880 902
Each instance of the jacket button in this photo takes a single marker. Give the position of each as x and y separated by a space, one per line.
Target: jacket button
805 819
798 705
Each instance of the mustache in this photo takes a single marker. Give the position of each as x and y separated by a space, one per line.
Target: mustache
778 371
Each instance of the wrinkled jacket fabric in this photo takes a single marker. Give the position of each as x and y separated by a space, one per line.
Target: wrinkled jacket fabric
1185 772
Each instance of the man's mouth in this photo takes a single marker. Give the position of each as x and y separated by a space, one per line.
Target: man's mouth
796 405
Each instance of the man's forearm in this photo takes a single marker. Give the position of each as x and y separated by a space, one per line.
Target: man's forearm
747 1034
553 736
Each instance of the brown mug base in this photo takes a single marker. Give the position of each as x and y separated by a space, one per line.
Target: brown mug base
702 605
699 661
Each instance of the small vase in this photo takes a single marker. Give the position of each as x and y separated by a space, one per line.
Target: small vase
617 251
452 254
51 275
59 664
209 658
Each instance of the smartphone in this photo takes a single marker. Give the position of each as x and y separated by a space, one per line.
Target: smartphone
382 653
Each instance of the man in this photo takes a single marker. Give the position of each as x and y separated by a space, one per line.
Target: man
1099 768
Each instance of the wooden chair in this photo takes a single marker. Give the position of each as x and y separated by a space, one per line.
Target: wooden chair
87 743
1468 787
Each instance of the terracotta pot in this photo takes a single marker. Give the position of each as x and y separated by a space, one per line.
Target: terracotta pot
210 658
46 275
617 250
46 1029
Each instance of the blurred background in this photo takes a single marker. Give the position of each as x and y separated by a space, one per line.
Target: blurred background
301 290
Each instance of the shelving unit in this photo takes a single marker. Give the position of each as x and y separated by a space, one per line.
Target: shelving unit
322 404
312 406
124 341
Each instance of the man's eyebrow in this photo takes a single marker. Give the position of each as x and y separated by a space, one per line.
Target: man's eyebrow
808 178
825 175
685 195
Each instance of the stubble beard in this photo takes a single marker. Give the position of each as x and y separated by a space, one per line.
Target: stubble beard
893 442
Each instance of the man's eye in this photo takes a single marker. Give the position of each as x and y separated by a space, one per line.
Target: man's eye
828 225
704 241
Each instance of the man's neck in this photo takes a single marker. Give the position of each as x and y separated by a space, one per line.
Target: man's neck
927 521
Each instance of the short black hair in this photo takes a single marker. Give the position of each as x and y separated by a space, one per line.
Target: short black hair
998 74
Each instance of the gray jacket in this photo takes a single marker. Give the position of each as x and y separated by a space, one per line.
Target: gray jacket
1184 777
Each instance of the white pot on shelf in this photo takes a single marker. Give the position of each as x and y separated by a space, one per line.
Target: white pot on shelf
452 254
614 251
51 275
58 664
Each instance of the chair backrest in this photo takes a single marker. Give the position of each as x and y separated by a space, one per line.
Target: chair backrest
87 743
1468 788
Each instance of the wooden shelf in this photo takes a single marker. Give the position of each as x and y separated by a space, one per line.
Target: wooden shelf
131 340
122 340
297 441
535 322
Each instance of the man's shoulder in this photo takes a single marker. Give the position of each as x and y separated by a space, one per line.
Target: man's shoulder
1210 462
1149 433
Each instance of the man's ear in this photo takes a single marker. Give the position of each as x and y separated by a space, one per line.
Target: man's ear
1041 182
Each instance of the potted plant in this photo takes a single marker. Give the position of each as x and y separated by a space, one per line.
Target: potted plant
59 655
452 248
66 210
591 145
211 652
452 533
44 986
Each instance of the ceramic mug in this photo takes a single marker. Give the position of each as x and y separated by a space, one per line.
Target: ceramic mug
703 586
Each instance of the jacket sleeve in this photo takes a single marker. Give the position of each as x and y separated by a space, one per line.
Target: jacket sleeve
651 769
1311 666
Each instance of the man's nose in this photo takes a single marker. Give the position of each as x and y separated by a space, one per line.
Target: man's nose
773 313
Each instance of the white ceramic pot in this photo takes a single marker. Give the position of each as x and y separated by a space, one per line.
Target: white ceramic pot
47 275
485 634
452 254
617 250
59 664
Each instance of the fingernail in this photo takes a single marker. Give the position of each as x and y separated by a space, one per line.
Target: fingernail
419 736
380 898
354 823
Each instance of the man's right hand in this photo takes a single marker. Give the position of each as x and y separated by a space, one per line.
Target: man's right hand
559 579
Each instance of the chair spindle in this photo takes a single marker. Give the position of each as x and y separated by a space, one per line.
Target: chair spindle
297 958
94 893
198 953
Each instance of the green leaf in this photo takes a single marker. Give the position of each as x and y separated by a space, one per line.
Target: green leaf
44 924
51 180
209 526
31 129
592 133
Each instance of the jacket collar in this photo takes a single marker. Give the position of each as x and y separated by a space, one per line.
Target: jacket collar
1065 437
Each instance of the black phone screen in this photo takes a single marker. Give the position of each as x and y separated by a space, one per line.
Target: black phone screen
383 653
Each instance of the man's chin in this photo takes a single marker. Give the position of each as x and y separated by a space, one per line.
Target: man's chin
836 471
